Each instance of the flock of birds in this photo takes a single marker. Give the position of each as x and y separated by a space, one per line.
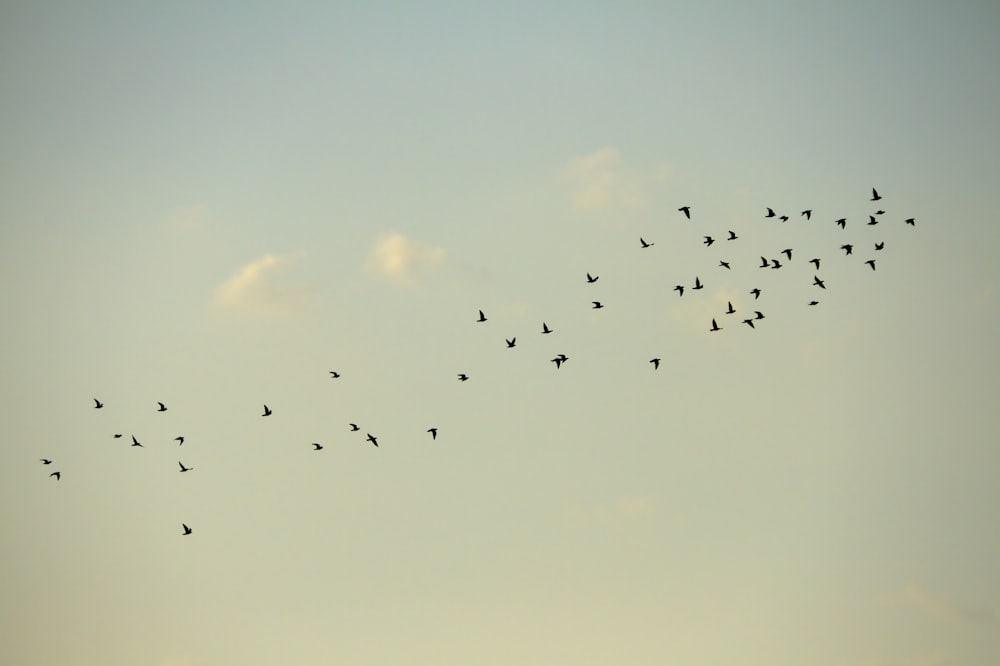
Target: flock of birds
782 258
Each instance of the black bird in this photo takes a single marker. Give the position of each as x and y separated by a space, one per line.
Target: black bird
655 362
597 305
783 218
847 248
764 263
183 468
510 343
591 279
813 303
708 241
819 283
45 461
267 411
686 210
880 212
117 435
135 442
816 262
58 475
911 221
162 408
871 262
316 447
697 283
462 377
842 222
758 314
730 309
879 246
715 327
334 374
756 293
371 438
770 213
98 404
732 236
482 317
807 213
559 360
749 322
545 328
787 253
775 263
187 530
875 196
433 432
680 289
725 264
644 243
354 427
872 220
179 440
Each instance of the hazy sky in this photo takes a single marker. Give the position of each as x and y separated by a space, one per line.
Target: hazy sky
214 204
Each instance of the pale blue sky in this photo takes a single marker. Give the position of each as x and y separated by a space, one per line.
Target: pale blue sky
214 204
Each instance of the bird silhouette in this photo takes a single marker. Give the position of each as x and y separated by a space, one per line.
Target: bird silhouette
697 283
749 322
267 411
680 289
783 218
462 377
183 468
58 475
813 303
724 264
770 213
317 446
162 408
875 195
592 279
117 435
179 440
911 221
371 438
880 212
764 263
433 432
559 360
45 461
819 283
715 327
775 263
756 293
655 362
871 262
872 221
842 222
729 309
686 210
807 213
815 262
187 530
732 236
597 305
645 244
788 253
545 328
135 442
510 343
334 374
708 241
98 404
354 427
848 248
757 314
879 246
482 317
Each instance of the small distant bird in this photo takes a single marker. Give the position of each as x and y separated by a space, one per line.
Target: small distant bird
686 210
879 246
680 289
45 461
880 212
317 446
732 236
592 279
655 362
911 221
354 427
162 408
510 343
597 305
715 327
644 243
815 262
758 314
730 309
482 317
135 442
871 262
183 468
725 264
117 435
783 218
334 374
775 263
371 438
842 223
770 213
267 411
433 432
813 303
545 328
697 283
462 377
179 440
708 241
749 322
847 248
875 196
756 293
559 360
58 475
819 283
98 404
872 220
187 530
764 263
787 253
807 213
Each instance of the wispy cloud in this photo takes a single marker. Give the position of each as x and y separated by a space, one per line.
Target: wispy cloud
403 261
602 180
256 288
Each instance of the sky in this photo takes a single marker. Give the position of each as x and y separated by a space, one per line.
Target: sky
213 205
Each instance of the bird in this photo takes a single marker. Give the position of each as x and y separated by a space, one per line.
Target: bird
545 328
764 263
871 262
162 408
756 293
732 236
135 442
644 243
433 432
179 440
847 248
730 310
334 374
775 263
559 360
98 404
872 220
807 213
187 530
45 461
371 438
758 314
875 195
697 283
354 427
592 279
749 322
510 343
655 362
58 475
597 305
708 241
267 411
462 377
813 303
183 468
117 435
317 446
879 246
686 210
842 222
819 283
724 264
783 218
816 262
770 213
482 317
787 253
715 327
680 289
880 212
911 221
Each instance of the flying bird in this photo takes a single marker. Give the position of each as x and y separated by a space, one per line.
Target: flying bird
680 289
462 377
597 305
730 309
592 279
644 243
317 446
482 317
911 221
725 264
764 263
756 293
875 196
879 246
58 475
732 236
334 374
162 408
816 262
354 427
847 248
880 212
842 223
872 220
135 442
187 530
179 440
758 314
559 360
715 327
117 435
510 343
819 283
770 213
686 210
98 404
697 283
371 438
655 362
433 432
708 241
267 411
787 253
749 322
871 262
813 303
45 461
783 218
775 263
807 213
183 468
545 328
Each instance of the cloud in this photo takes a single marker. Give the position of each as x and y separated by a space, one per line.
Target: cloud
401 260
942 609
602 180
254 288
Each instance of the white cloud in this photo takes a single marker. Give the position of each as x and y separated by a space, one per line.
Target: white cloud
401 260
254 288
602 180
